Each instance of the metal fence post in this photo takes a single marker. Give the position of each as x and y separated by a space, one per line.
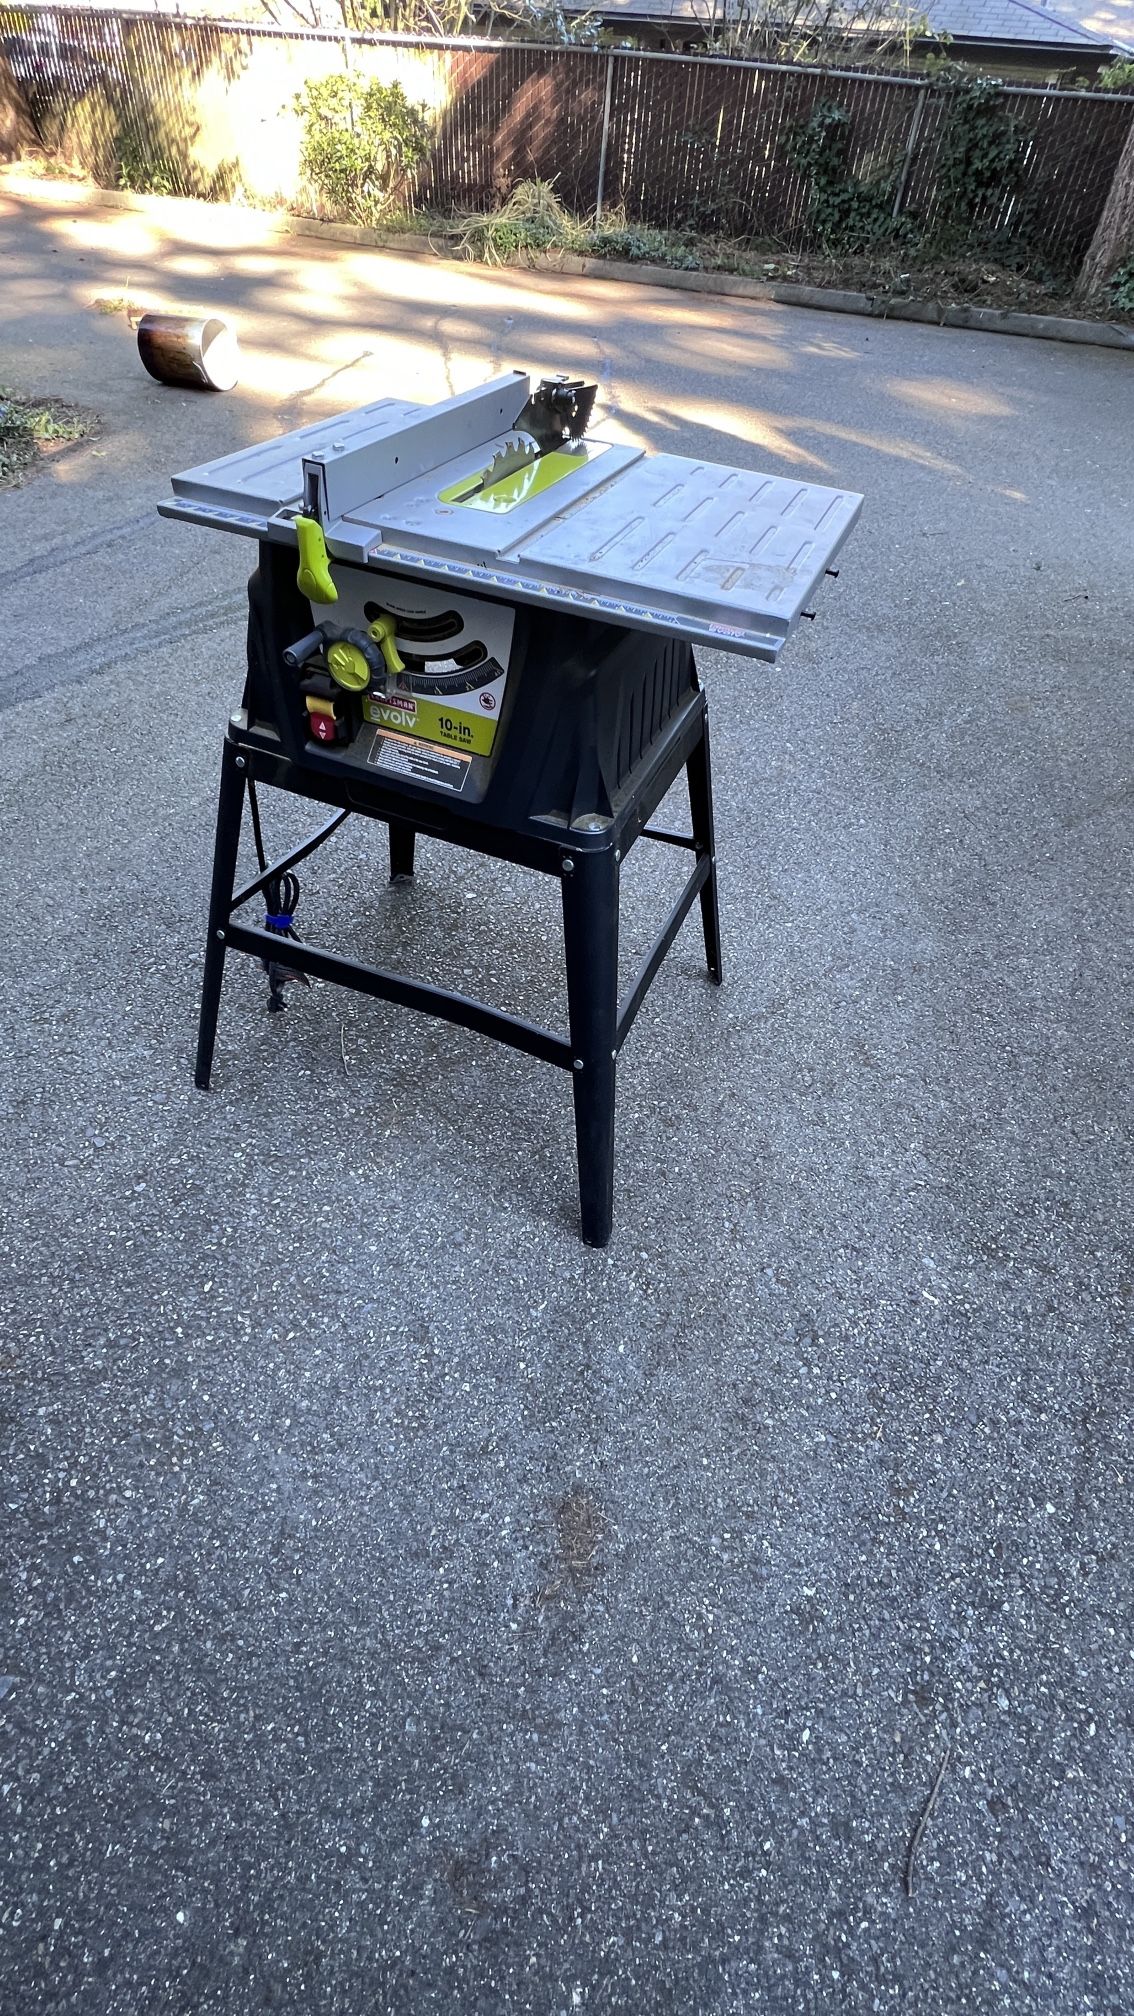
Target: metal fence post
605 138
348 50
911 144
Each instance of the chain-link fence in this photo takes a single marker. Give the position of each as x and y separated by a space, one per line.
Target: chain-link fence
197 107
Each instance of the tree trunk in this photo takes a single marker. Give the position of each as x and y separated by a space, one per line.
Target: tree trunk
17 127
1114 232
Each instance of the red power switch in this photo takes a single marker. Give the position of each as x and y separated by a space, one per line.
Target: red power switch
324 727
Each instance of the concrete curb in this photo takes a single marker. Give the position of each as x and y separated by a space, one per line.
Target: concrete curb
418 245
997 321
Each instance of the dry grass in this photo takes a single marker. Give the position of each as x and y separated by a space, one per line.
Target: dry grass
120 304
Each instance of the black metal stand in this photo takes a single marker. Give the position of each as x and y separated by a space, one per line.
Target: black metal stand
402 838
588 863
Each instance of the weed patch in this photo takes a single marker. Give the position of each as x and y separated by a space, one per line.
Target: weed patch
30 428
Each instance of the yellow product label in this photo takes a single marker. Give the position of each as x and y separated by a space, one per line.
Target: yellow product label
433 721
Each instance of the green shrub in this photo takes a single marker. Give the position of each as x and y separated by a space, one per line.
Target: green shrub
140 169
359 140
636 242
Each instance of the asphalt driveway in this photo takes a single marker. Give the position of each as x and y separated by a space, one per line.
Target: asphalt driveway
412 1610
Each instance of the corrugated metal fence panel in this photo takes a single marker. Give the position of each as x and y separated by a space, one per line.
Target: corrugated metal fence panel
693 142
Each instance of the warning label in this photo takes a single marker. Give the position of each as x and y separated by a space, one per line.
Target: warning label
420 762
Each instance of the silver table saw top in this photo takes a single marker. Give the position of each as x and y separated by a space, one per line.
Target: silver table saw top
655 542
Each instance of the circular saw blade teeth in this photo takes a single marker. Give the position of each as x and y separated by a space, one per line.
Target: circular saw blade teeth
514 454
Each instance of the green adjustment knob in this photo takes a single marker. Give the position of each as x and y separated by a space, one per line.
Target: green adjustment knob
348 667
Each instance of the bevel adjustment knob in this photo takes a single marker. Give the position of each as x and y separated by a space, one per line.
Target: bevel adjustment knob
348 666
383 630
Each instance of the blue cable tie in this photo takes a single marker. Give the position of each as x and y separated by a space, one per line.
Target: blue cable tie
280 923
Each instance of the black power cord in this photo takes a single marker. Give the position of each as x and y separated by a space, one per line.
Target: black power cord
281 900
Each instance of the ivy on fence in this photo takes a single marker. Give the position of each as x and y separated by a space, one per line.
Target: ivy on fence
1120 287
980 164
978 207
845 212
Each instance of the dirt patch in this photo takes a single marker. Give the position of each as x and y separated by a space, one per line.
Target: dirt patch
957 282
33 429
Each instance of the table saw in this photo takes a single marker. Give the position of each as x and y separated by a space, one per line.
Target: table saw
475 620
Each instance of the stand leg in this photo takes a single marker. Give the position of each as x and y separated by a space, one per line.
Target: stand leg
230 811
590 932
701 806
402 839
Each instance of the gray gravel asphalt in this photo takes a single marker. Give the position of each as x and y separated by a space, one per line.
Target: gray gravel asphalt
412 1610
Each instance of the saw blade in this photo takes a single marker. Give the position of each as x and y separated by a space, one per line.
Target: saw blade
513 454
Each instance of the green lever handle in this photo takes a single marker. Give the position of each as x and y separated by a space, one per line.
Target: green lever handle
383 631
314 576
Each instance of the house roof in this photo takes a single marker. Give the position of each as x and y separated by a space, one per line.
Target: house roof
1076 24
1017 21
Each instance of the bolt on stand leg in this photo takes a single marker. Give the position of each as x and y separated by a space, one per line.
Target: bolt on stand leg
590 933
698 772
230 811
